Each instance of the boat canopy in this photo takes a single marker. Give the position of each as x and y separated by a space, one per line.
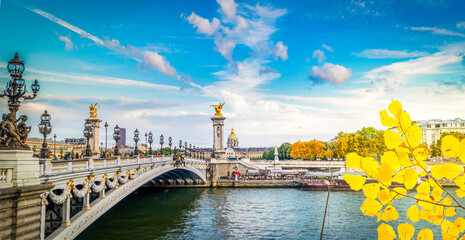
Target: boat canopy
335 174
252 172
287 172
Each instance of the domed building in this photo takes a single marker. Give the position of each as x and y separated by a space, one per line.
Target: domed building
233 141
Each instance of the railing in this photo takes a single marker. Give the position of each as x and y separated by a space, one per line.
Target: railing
6 175
48 167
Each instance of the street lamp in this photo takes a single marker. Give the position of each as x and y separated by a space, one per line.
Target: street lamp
106 135
45 128
170 142
116 137
14 134
194 150
150 142
180 145
54 143
185 148
136 139
162 140
190 149
88 133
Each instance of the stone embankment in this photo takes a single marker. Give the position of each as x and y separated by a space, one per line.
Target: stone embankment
257 183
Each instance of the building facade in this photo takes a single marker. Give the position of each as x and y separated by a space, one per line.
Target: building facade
433 128
122 140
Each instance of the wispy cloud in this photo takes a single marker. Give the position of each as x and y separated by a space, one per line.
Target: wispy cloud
460 25
385 53
319 55
149 59
333 73
68 43
327 47
437 31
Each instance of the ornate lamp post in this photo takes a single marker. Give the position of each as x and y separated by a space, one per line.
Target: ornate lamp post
180 145
15 131
150 142
106 135
170 142
190 149
185 148
136 139
88 133
116 136
45 128
161 144
54 143
193 150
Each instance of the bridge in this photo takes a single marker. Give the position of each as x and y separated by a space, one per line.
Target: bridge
84 189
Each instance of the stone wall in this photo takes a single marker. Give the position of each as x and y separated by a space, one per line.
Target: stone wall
20 212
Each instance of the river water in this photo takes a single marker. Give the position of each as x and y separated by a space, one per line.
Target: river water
235 213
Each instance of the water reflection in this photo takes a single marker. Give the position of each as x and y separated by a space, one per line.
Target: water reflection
226 213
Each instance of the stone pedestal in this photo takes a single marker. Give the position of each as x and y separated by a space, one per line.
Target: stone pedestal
95 139
218 137
18 168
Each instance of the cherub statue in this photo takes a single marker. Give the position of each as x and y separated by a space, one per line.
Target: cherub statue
218 109
12 136
93 110
23 128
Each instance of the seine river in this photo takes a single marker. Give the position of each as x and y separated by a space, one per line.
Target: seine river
234 213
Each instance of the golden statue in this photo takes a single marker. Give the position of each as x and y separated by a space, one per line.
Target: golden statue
218 109
93 110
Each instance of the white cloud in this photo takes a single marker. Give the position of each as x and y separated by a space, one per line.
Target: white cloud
333 73
460 25
398 74
319 55
68 43
159 62
385 53
229 7
280 51
327 47
203 25
438 31
225 47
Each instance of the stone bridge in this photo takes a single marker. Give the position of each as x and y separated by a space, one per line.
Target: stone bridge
74 193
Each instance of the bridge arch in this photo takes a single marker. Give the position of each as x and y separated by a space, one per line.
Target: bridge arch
194 172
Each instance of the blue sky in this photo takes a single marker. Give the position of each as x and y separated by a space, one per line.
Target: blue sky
287 70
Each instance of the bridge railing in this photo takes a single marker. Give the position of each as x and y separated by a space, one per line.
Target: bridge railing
48 167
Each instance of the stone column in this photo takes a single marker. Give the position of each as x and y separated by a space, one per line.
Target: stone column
66 208
218 137
95 139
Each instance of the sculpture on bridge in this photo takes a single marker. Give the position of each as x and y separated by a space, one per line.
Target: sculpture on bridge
218 109
93 110
12 134
178 158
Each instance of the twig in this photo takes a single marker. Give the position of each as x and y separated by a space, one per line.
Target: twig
327 200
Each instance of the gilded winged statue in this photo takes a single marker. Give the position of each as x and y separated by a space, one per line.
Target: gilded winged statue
218 109
93 110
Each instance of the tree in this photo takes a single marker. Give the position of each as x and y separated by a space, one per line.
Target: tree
432 202
284 151
308 150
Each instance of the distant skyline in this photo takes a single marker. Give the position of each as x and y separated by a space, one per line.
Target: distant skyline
287 70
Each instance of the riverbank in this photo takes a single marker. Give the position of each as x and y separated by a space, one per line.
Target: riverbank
257 183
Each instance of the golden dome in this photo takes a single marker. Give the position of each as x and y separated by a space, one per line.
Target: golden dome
232 135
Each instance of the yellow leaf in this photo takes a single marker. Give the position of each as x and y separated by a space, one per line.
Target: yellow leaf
390 213
449 231
385 175
391 158
371 190
459 224
447 201
451 170
405 231
424 188
370 167
436 171
395 108
398 192
460 181
353 160
462 150
387 120
410 178
405 123
392 139
384 197
450 146
399 177
425 234
419 164
413 213
402 154
460 192
385 232
423 173
355 181
370 207
420 153
450 211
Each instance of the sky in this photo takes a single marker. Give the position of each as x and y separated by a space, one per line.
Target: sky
287 70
